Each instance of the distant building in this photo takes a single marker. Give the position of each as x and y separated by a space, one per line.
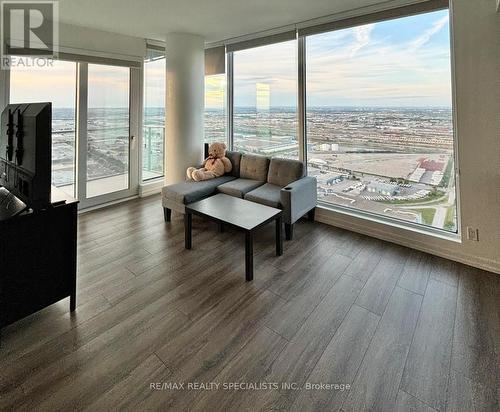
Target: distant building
432 165
436 178
386 189
328 147
416 176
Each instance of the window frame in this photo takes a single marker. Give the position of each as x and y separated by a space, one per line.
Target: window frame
361 18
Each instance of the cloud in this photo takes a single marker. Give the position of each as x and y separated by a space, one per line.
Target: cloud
354 66
427 35
385 73
363 37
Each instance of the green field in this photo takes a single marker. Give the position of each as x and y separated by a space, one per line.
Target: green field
432 196
447 173
427 215
449 221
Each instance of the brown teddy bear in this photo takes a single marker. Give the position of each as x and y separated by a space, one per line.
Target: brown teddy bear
215 165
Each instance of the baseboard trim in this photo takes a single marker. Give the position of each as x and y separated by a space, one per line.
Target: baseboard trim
108 204
372 229
149 189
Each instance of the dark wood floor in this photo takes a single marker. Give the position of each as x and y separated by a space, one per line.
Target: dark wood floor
407 331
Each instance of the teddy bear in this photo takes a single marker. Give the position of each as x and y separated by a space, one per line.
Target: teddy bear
215 165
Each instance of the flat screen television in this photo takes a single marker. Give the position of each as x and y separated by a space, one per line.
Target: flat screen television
26 152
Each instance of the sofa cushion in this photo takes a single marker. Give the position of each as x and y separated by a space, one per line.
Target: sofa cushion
267 194
284 171
254 167
239 187
235 158
191 191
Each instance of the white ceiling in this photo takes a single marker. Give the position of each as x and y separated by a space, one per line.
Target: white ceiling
215 20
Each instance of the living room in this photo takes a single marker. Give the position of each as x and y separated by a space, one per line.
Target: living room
250 206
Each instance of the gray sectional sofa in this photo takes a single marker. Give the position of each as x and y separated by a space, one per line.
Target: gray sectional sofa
280 183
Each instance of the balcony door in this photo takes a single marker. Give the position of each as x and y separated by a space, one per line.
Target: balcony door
94 126
109 139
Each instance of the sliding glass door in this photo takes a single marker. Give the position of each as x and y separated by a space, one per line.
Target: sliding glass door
95 118
108 129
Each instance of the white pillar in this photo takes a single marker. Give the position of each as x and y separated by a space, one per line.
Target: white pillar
185 104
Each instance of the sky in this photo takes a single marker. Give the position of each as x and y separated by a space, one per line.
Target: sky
108 85
402 62
154 83
56 84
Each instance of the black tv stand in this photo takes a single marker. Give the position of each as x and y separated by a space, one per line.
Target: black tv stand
38 259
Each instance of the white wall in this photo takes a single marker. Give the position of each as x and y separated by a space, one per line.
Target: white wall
476 28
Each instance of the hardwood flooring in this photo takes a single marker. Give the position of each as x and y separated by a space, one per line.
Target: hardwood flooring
392 328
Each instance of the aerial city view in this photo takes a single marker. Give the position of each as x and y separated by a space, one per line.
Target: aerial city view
108 144
397 162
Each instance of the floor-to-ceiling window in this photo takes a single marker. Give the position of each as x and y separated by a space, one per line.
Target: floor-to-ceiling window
265 100
380 120
56 83
154 115
215 108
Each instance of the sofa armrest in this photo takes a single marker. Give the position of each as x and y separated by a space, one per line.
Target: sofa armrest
298 198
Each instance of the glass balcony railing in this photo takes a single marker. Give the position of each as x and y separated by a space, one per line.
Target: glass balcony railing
153 149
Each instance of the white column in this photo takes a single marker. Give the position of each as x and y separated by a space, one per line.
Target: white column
185 104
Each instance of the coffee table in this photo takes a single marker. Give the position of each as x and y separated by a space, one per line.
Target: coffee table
238 213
